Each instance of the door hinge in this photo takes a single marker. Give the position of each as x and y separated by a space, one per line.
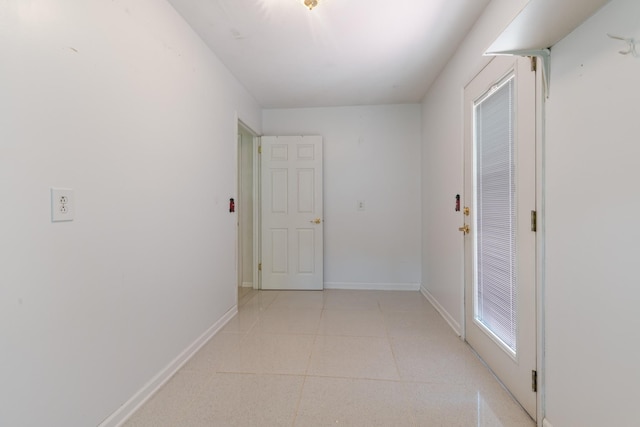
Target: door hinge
534 381
534 63
259 266
259 149
534 221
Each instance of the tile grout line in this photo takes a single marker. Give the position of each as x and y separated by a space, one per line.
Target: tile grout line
306 371
387 336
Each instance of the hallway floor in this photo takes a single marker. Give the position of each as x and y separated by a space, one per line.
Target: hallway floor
349 358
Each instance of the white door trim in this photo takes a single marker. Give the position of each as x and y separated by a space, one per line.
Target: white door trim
256 203
540 244
257 214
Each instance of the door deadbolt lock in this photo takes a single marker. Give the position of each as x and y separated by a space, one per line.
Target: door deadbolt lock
465 229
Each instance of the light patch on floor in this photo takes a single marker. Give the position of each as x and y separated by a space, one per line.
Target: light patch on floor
334 357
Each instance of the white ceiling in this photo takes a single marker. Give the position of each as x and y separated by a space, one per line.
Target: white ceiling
344 52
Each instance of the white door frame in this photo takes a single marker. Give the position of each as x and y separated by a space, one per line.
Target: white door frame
540 239
256 204
239 223
257 214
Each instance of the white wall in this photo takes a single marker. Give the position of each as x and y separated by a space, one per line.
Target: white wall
370 154
591 176
592 284
442 162
122 102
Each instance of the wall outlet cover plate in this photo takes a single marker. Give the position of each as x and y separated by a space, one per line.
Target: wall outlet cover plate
62 204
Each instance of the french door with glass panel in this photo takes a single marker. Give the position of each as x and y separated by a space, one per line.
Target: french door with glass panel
500 246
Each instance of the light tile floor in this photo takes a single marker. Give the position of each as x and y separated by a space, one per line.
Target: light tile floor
350 358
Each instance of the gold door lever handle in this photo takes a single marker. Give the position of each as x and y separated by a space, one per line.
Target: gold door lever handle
464 229
316 221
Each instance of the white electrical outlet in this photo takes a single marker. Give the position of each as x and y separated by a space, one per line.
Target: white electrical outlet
62 204
360 205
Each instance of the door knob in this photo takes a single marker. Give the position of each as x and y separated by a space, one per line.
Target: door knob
464 229
316 221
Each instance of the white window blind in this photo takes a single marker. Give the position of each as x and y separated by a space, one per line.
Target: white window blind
495 241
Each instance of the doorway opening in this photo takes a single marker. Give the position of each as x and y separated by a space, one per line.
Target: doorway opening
247 207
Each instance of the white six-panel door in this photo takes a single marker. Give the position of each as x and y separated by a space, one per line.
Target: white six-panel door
292 222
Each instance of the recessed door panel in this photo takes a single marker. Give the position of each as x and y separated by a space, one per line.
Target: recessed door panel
306 152
279 191
306 251
279 249
305 191
279 153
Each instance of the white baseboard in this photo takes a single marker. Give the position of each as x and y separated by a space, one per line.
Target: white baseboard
546 423
247 284
140 398
444 313
372 286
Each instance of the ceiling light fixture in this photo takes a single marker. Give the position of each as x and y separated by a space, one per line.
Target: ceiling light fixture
311 3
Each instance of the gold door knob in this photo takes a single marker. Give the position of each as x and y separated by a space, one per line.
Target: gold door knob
464 229
316 221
